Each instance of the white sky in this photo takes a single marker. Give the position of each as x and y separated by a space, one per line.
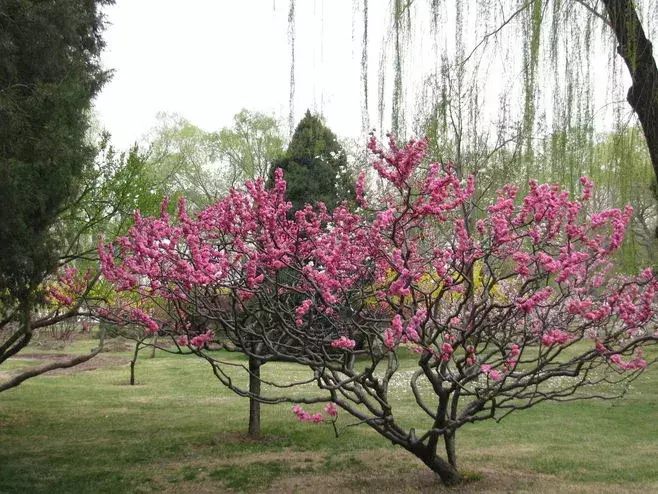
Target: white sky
207 59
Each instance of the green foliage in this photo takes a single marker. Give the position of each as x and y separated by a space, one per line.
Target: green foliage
247 149
183 159
49 72
178 159
108 191
315 166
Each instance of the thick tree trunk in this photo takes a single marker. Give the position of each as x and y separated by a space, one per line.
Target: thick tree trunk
637 52
254 405
448 473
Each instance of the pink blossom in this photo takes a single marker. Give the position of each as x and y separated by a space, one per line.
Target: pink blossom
528 303
343 342
331 409
556 337
201 339
495 375
446 351
146 320
588 185
359 188
301 311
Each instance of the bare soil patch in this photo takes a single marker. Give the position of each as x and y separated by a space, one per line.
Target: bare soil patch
381 471
97 362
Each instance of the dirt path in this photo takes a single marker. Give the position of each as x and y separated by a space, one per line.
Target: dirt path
97 362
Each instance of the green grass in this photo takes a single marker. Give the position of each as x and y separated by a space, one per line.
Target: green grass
179 430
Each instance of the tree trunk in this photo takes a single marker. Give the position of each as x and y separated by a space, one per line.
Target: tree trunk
637 52
448 473
254 404
450 448
133 362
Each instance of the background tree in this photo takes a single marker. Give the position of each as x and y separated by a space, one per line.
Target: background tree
202 165
315 166
507 88
180 157
246 150
49 72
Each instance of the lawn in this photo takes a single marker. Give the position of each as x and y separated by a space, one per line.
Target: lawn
178 430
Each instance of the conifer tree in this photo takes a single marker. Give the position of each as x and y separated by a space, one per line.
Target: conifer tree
314 166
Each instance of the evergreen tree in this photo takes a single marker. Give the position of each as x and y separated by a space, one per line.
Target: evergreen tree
49 72
314 166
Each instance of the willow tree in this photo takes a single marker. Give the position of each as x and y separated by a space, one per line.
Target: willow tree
637 52
512 88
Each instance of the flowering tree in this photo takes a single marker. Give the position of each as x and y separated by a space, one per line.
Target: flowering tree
520 309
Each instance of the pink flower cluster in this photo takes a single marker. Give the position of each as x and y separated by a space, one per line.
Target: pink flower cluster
527 304
303 416
201 339
397 166
330 409
69 285
471 358
343 342
555 337
493 374
141 317
637 363
302 310
60 297
398 333
360 188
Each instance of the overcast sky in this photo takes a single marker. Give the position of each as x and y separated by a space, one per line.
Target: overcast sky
207 59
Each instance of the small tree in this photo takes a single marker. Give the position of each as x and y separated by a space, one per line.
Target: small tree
523 309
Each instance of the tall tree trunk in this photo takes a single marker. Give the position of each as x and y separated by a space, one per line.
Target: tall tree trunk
637 52
254 404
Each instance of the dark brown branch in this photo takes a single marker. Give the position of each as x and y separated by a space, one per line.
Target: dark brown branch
28 374
637 52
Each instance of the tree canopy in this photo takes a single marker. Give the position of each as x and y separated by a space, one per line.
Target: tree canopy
49 72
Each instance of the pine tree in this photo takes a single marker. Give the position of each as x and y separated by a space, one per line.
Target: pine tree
315 166
49 72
